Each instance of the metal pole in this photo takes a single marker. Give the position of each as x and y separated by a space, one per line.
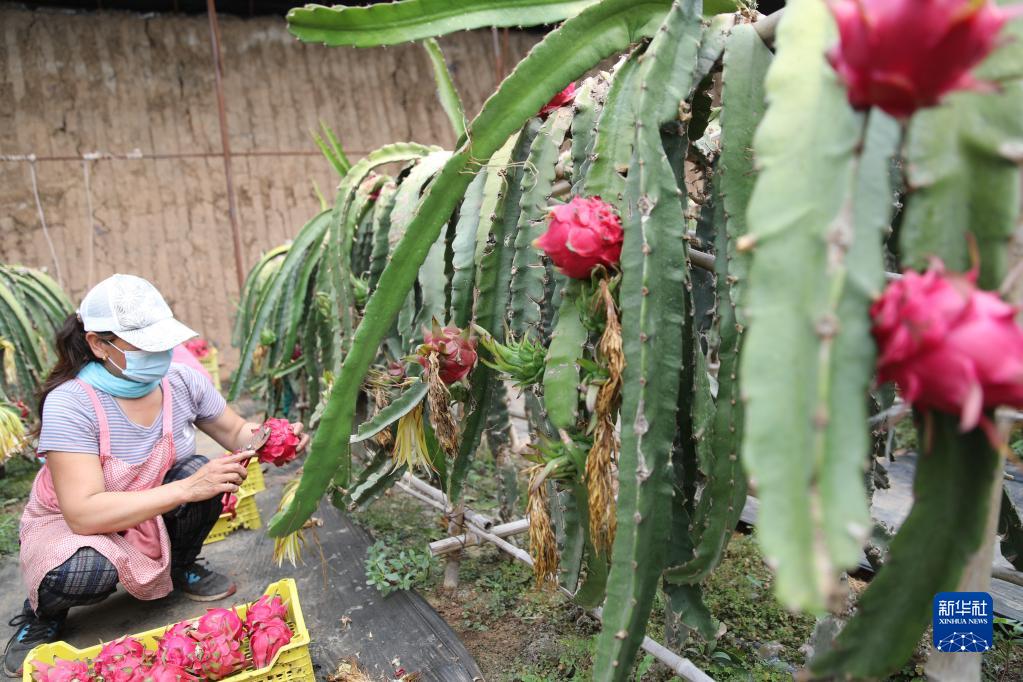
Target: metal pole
232 208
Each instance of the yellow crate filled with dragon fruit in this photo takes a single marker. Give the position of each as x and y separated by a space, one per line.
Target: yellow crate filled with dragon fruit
245 515
291 663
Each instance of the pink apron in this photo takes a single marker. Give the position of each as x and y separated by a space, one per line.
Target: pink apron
141 554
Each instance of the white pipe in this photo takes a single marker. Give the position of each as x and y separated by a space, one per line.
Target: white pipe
677 664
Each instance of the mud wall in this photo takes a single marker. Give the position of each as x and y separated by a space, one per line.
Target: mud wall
142 86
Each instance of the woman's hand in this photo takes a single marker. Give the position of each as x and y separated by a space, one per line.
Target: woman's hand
216 477
303 438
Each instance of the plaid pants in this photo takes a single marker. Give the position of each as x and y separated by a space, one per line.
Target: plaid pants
88 577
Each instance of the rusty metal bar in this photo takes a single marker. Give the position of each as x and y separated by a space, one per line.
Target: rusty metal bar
232 207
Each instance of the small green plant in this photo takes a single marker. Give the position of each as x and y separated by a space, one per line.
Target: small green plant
390 570
9 533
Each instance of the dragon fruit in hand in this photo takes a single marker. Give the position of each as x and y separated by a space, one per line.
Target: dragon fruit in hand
280 448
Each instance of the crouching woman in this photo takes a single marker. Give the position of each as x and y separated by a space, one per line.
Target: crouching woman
123 496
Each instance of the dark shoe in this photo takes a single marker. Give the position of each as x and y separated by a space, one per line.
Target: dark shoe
32 631
199 583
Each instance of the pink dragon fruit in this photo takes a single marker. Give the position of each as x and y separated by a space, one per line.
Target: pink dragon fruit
223 657
267 639
559 100
900 55
936 332
265 609
582 234
220 621
118 659
280 448
164 672
198 347
456 352
179 648
61 671
124 669
183 628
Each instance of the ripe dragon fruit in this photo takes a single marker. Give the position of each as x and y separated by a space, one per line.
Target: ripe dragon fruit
582 234
267 639
455 350
118 660
223 656
61 671
220 621
124 669
197 347
936 332
165 672
179 648
901 55
265 609
279 449
559 100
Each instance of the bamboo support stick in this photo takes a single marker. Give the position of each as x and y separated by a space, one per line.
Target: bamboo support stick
451 544
679 665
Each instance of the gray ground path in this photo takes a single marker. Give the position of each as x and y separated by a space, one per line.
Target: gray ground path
344 616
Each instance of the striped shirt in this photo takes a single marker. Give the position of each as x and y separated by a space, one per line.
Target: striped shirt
69 422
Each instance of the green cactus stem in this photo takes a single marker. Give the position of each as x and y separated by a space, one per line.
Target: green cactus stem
654 276
528 270
604 28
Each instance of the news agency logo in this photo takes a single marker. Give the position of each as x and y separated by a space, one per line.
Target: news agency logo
963 622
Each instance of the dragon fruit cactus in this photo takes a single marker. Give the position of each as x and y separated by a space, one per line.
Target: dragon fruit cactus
265 609
901 55
61 671
456 351
220 621
582 234
267 639
222 656
280 448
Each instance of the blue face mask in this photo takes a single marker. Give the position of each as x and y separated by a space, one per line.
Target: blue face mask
99 377
142 366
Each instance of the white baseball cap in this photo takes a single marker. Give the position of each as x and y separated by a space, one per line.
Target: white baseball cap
134 310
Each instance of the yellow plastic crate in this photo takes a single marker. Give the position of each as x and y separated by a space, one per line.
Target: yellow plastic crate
291 664
246 516
211 364
254 481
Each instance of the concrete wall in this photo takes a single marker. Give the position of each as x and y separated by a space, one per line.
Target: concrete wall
143 85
